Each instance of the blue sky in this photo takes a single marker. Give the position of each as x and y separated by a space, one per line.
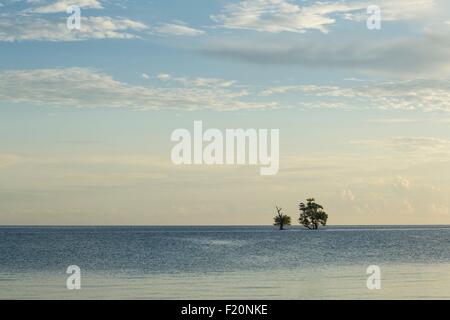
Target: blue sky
86 115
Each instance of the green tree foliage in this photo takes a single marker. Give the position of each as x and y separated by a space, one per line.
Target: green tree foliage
312 214
281 219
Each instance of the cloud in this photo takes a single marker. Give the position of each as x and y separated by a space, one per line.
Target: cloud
438 120
422 55
35 24
177 29
439 209
275 16
8 160
81 87
30 27
421 52
396 120
397 10
406 9
428 144
424 95
281 15
403 183
116 160
62 5
420 146
347 195
197 82
163 76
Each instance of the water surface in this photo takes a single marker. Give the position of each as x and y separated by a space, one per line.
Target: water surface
225 262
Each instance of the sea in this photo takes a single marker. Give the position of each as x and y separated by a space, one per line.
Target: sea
248 262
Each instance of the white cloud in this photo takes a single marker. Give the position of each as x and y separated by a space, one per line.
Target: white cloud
281 15
88 88
425 95
80 87
421 52
62 5
177 29
284 15
34 24
397 10
163 76
36 28
197 82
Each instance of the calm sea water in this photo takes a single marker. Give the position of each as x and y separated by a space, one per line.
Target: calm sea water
225 262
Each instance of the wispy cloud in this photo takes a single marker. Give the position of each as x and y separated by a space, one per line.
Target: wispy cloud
437 120
396 120
397 10
197 82
62 5
80 87
419 146
177 29
30 27
38 23
8 160
422 55
288 16
425 95
280 15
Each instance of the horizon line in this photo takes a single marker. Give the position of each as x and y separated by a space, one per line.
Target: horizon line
206 226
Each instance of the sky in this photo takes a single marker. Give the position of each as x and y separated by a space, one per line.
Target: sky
86 115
